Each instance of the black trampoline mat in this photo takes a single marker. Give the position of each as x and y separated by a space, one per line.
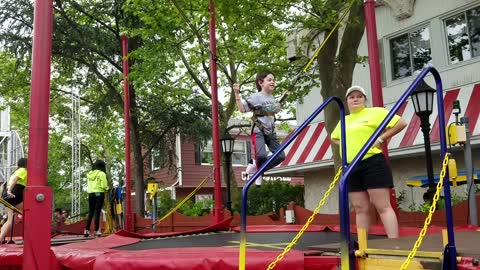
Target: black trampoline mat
258 240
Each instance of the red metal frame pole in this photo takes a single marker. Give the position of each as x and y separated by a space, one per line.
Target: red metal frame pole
375 77
218 210
38 196
126 109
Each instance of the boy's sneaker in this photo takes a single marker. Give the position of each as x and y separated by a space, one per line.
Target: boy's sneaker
259 180
251 169
98 233
86 233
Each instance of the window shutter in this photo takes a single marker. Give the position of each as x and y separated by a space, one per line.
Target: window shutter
198 155
249 151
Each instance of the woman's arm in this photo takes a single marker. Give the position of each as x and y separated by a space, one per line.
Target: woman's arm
399 126
11 185
103 181
238 99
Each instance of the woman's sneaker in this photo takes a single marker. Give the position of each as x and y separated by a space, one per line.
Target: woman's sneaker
98 233
86 233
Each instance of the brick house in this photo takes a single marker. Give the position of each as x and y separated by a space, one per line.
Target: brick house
194 163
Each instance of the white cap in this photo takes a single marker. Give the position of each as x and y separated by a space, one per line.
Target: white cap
355 88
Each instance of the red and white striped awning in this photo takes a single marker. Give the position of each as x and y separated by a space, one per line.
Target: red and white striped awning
313 144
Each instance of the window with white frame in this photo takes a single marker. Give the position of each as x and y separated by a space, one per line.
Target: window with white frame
207 154
239 155
410 52
156 159
463 35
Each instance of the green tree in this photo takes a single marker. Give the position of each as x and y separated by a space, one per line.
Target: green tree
248 41
87 56
337 59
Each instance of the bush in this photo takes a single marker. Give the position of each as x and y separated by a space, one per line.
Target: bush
165 204
271 196
196 209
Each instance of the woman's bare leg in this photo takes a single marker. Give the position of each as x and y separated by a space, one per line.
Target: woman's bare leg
7 226
380 198
361 204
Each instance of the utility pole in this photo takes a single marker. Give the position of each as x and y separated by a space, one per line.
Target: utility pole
472 203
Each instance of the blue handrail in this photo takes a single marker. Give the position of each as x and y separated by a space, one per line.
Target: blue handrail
346 245
243 213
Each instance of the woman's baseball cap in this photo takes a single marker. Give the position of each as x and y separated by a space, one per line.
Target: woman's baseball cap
355 88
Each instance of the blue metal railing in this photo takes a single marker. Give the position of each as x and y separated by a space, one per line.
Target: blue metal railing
346 245
260 171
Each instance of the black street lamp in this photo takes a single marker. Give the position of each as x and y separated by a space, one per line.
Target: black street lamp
422 99
227 147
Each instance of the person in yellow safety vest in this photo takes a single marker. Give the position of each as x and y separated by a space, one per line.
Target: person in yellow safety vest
13 194
97 186
371 180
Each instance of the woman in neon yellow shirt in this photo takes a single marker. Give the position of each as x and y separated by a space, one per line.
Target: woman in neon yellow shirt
14 195
372 179
96 188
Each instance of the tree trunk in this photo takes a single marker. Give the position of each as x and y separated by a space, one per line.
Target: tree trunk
136 148
335 81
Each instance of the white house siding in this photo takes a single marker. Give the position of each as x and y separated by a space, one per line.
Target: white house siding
406 161
316 184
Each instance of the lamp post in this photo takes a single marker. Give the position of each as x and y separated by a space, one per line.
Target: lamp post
422 99
227 147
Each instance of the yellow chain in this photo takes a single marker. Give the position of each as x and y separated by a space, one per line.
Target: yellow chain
8 205
109 223
429 217
310 220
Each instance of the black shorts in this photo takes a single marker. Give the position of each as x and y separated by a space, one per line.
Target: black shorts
373 172
18 192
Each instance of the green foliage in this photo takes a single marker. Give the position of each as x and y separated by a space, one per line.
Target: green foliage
249 39
165 202
169 63
425 207
86 56
196 209
271 196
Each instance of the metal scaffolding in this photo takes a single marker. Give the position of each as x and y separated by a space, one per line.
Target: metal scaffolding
76 175
11 151
11 148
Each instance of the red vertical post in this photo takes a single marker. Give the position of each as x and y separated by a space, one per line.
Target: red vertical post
375 77
218 210
38 196
126 110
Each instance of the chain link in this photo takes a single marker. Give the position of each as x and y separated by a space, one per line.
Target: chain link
430 214
309 220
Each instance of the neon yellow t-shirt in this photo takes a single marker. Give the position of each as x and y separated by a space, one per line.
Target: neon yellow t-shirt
359 128
21 173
